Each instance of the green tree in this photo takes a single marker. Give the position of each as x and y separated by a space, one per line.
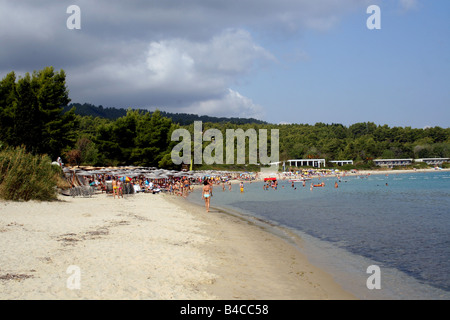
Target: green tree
137 138
152 138
8 100
52 94
27 127
31 112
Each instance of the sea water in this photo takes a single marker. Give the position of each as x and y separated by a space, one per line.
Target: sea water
399 222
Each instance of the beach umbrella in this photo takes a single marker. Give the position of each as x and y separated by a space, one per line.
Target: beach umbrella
132 175
83 173
96 172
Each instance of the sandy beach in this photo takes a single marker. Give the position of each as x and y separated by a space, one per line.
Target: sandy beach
148 246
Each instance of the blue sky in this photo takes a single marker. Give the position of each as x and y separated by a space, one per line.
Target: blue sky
285 61
399 75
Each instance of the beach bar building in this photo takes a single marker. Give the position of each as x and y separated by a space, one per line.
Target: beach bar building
390 163
316 163
434 161
340 163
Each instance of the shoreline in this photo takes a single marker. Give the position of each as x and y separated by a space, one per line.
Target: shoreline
357 173
277 269
148 247
391 171
349 275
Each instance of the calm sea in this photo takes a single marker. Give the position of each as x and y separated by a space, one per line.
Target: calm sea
399 222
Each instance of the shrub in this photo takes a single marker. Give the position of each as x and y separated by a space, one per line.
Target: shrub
24 176
420 165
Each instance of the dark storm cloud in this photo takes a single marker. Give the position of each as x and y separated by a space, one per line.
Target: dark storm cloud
173 54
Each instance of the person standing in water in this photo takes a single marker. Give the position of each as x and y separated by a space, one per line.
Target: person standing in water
206 194
241 185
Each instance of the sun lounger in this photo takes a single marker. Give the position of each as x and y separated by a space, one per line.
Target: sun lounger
82 191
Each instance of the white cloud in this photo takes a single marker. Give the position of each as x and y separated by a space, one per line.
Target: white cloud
168 63
231 104
211 64
177 73
408 4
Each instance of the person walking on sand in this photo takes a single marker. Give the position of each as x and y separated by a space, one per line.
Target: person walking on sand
186 187
206 194
114 185
119 188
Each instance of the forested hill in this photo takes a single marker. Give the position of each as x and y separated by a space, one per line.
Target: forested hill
182 119
30 116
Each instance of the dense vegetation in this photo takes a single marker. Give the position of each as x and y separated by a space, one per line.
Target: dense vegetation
87 109
31 112
35 112
24 176
363 142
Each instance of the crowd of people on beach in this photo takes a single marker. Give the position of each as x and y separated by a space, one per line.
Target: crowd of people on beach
179 186
183 185
120 185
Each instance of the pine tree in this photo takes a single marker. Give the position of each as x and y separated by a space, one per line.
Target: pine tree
8 100
31 112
